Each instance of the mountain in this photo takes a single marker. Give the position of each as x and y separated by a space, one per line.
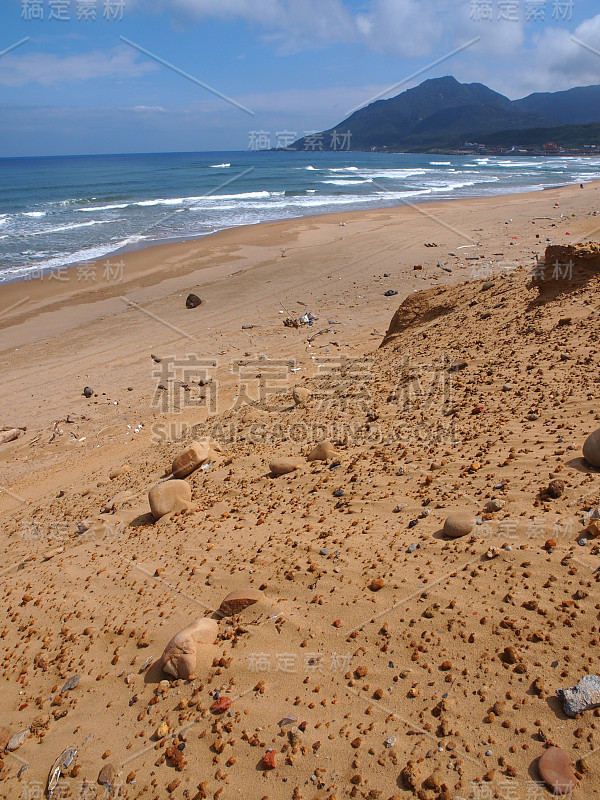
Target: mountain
577 106
442 109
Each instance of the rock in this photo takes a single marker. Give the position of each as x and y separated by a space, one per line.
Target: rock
591 449
107 775
555 770
461 523
169 497
40 724
268 760
301 395
221 705
193 301
51 553
282 466
10 435
538 686
553 491
211 458
390 293
116 473
376 584
88 392
237 601
510 655
495 505
179 656
434 781
5 736
593 527
580 698
410 776
161 731
117 500
192 457
71 684
324 451
16 741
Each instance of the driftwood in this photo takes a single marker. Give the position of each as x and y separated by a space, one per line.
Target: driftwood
319 333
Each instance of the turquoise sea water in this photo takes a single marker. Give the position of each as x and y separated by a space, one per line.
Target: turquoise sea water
67 210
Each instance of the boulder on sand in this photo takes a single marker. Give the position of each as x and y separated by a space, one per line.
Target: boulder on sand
583 697
591 449
192 457
282 466
237 601
179 656
555 770
193 301
458 524
324 451
169 497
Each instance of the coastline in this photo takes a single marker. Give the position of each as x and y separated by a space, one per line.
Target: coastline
202 260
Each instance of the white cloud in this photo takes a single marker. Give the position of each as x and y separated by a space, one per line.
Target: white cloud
46 69
410 28
157 109
296 23
550 61
561 63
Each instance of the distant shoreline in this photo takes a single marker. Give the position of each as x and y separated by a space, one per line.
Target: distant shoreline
236 262
140 247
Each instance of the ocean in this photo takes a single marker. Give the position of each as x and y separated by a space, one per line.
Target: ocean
67 210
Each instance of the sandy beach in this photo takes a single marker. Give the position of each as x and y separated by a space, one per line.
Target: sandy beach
382 658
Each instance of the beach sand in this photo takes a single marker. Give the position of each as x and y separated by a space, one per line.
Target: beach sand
382 640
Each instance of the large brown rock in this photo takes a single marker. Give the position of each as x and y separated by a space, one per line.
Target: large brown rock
107 775
238 600
179 656
555 770
458 524
282 466
591 449
192 457
324 451
169 497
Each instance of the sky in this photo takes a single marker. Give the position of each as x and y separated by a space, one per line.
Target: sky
124 76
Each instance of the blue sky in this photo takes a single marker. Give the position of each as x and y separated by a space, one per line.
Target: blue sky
75 87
